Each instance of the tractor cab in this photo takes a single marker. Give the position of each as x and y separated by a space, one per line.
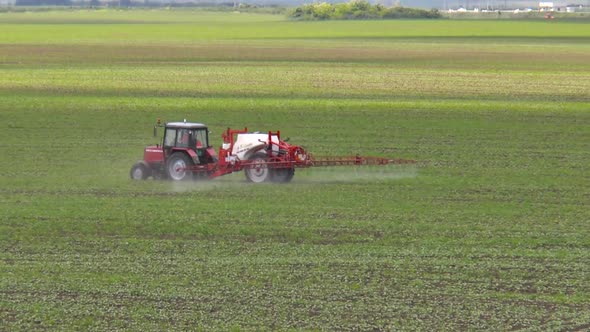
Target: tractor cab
193 138
186 135
185 151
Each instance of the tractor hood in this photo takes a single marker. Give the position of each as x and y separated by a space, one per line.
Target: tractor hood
153 154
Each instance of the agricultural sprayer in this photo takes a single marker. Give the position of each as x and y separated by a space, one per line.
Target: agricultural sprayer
185 153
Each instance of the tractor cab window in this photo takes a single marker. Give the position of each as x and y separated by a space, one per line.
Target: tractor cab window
186 138
183 138
200 138
170 137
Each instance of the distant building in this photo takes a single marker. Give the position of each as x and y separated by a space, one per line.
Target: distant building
545 6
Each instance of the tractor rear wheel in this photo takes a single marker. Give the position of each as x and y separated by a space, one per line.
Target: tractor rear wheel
177 167
140 171
282 175
257 171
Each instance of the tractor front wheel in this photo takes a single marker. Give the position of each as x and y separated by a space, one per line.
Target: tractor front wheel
140 171
257 170
178 165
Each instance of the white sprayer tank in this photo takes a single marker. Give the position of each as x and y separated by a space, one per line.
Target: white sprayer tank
247 144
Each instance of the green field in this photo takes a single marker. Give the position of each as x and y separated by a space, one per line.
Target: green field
490 230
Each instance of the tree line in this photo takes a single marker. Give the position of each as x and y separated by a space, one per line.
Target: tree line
356 10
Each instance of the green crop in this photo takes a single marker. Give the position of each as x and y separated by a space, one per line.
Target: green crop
488 231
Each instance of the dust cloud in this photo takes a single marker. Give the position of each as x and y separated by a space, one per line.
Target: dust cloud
356 174
365 174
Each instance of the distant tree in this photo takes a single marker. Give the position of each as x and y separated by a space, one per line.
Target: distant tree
323 10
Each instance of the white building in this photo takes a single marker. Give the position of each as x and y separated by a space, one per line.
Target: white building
546 6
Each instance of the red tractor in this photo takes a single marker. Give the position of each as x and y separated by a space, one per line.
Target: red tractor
186 154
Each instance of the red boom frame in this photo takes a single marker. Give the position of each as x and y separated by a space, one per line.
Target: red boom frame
289 156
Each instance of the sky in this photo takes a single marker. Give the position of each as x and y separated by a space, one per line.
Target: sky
440 4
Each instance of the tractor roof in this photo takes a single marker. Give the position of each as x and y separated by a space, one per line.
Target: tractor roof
190 125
